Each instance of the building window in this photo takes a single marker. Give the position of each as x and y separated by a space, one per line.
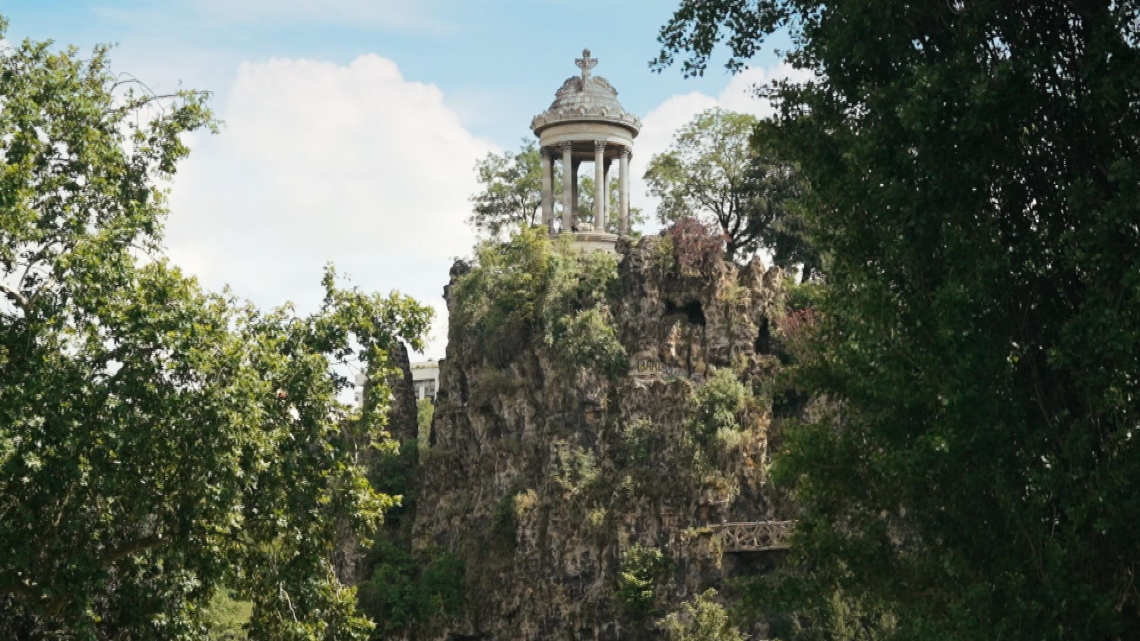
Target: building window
425 389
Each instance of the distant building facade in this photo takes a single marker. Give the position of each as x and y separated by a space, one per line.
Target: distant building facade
425 379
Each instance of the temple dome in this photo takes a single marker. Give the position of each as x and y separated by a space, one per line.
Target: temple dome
586 98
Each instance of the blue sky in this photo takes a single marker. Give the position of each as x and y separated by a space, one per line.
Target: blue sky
352 126
497 61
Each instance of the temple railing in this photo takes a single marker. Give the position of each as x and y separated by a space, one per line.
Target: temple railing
754 536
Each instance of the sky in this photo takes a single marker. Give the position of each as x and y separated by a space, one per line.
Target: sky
352 127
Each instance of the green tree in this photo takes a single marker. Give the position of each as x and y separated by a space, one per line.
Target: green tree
425 410
707 174
776 209
976 187
158 442
511 190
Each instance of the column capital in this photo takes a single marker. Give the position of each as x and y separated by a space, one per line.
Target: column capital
625 152
566 145
599 145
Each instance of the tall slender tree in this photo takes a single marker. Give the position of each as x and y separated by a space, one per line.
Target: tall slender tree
722 168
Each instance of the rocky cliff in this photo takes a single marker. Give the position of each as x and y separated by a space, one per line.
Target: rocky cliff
542 479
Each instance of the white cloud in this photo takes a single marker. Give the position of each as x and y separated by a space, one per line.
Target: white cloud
740 94
660 124
321 162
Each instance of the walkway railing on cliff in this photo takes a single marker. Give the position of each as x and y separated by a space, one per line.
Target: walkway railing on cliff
755 536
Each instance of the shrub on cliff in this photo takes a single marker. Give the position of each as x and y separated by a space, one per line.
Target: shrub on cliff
718 429
702 619
530 289
696 245
641 568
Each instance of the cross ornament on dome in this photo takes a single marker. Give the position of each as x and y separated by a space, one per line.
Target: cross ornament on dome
586 63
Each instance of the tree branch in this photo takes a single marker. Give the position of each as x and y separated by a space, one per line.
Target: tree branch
118 553
51 605
15 296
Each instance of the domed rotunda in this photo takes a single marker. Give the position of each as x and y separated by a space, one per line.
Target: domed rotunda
586 123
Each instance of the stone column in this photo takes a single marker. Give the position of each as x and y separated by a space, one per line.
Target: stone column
626 152
576 164
599 186
606 177
547 189
568 187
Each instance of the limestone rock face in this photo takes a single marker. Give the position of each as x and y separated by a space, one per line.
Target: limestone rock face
402 411
531 477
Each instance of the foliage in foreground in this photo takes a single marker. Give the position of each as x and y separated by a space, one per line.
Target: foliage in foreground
799 607
530 288
777 206
158 442
224 618
974 170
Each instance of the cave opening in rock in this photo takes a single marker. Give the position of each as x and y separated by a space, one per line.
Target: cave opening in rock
763 343
691 310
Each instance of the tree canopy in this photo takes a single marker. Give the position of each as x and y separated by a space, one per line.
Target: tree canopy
775 209
705 173
511 192
158 442
722 167
974 173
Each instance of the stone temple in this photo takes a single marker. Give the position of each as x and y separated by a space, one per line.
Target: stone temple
586 123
